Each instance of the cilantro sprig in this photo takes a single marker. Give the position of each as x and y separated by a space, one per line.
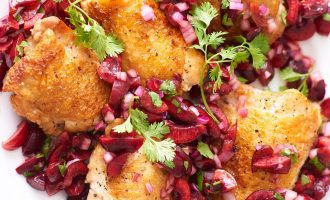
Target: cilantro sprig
91 34
155 147
202 16
289 75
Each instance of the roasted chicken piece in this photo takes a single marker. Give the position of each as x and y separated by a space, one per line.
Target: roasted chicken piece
56 84
274 118
272 25
130 184
154 48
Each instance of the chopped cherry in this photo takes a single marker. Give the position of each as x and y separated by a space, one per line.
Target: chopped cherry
18 138
121 145
115 166
273 164
182 189
75 169
29 164
37 181
181 134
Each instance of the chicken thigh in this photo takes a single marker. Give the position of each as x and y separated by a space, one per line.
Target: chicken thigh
56 84
154 48
273 118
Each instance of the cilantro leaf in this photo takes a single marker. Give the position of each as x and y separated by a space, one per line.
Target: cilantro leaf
225 4
200 180
260 42
156 99
155 150
205 150
317 164
289 75
170 164
215 39
20 48
204 13
227 21
62 168
278 196
304 180
159 151
168 87
124 127
158 130
258 58
91 35
326 17
283 15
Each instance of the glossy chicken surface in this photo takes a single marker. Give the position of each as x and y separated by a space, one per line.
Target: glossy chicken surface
130 184
154 48
56 84
273 119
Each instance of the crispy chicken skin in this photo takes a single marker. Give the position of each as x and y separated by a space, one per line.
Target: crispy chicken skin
273 118
153 48
276 9
124 187
56 84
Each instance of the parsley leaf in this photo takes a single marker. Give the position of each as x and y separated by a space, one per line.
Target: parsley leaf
91 35
278 196
168 87
304 180
205 150
124 127
156 99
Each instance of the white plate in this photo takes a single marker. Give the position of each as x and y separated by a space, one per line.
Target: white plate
14 186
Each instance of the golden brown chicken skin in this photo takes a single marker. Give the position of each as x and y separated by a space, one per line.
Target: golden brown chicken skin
56 84
154 48
273 118
275 17
124 186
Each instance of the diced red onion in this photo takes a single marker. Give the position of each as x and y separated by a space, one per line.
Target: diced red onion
243 112
234 82
214 97
109 117
177 17
272 26
162 6
108 157
139 91
149 187
132 73
127 101
228 196
135 177
194 110
313 153
125 114
263 10
85 144
121 76
170 181
326 172
326 129
208 175
235 5
226 156
217 161
147 13
193 170
182 6
100 126
290 195
187 31
279 148
163 193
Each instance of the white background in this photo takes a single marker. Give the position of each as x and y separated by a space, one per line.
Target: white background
14 186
